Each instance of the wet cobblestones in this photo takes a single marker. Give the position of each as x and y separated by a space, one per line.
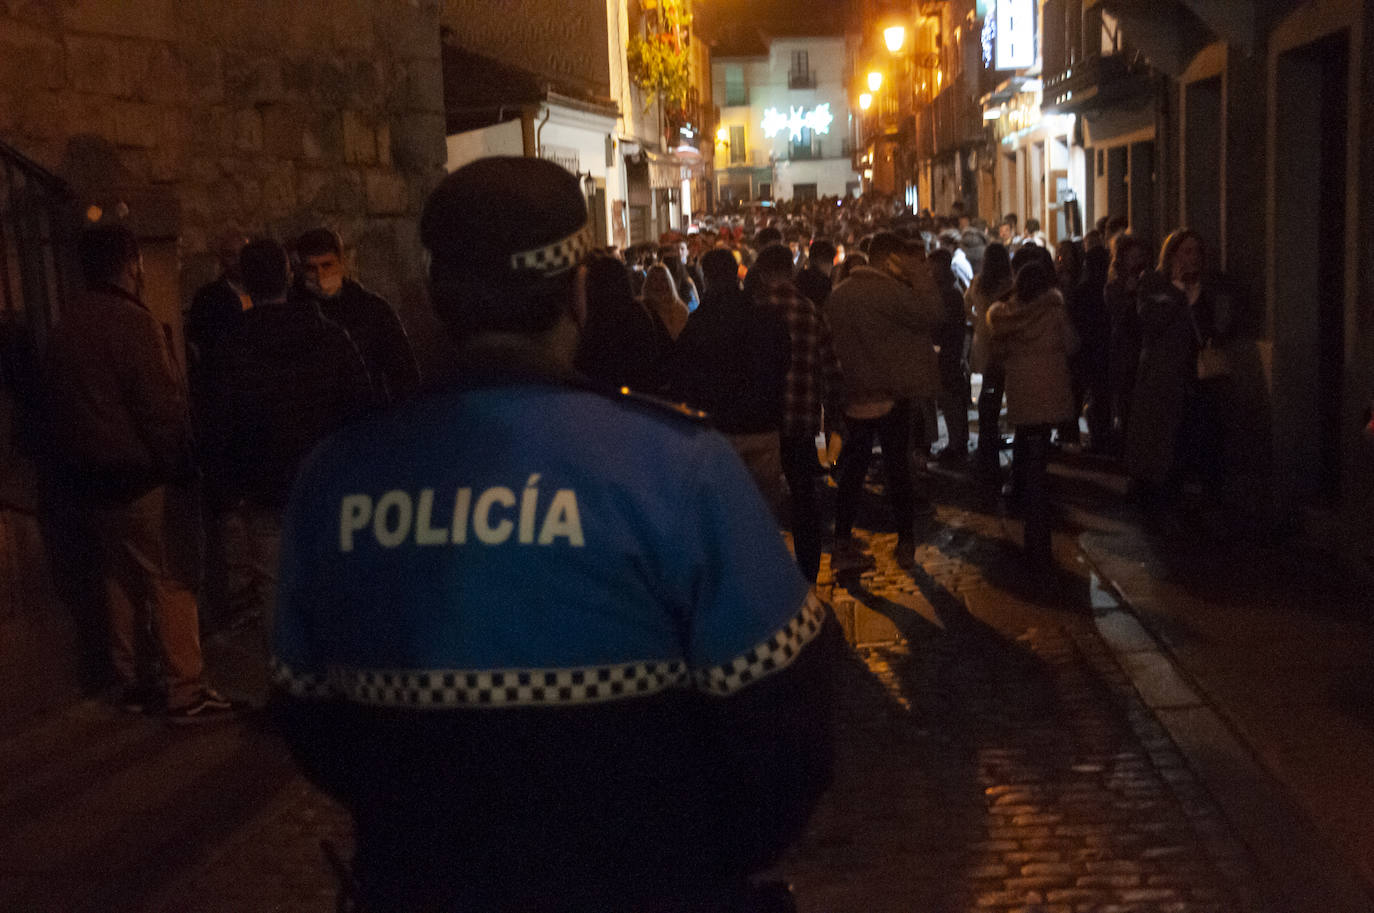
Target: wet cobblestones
1000 760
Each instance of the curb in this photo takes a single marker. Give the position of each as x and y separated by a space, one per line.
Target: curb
1301 871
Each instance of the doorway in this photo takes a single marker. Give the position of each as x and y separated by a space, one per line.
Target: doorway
1309 259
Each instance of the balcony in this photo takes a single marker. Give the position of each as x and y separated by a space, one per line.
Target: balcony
736 95
1094 83
801 79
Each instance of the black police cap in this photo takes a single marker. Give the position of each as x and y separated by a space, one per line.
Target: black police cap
505 220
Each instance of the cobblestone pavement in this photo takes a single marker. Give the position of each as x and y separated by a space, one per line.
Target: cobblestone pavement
992 757
995 757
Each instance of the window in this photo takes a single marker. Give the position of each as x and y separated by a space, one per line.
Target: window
803 191
805 147
735 92
738 153
799 76
765 191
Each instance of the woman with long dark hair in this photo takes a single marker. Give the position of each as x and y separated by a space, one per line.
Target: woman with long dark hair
993 282
621 344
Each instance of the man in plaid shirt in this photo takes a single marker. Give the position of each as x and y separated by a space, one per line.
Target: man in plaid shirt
813 378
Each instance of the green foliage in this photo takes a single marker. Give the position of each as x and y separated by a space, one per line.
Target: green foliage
660 62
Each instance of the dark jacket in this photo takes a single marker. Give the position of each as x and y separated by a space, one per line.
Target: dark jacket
814 284
378 334
281 381
1091 321
118 417
215 310
731 362
1167 371
951 332
624 346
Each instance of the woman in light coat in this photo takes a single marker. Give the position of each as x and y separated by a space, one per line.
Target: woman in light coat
1033 337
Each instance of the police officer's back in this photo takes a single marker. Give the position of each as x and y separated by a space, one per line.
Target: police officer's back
547 645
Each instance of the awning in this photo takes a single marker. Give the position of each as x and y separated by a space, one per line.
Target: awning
667 171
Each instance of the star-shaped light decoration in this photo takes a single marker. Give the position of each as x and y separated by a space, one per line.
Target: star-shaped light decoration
818 120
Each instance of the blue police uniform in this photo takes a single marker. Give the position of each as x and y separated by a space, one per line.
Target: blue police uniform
521 619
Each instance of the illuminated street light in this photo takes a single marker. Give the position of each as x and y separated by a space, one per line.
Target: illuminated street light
895 37
875 81
723 135
865 101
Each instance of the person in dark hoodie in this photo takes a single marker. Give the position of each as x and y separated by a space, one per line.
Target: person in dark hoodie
277 384
1032 335
731 362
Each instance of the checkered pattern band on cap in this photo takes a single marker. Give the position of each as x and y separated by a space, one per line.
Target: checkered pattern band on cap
447 688
771 656
558 257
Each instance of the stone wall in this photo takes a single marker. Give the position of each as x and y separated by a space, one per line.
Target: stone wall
565 42
265 116
201 116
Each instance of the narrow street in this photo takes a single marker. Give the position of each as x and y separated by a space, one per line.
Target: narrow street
994 754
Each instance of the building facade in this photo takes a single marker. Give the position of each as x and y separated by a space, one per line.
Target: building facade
785 119
562 88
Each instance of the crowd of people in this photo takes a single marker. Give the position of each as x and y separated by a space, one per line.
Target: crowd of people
890 316
523 619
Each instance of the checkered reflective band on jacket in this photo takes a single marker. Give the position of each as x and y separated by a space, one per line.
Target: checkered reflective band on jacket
531 544
544 687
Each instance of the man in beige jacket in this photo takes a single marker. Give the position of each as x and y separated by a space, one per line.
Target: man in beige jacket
883 317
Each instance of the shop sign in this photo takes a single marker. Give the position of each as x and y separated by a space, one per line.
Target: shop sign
1014 34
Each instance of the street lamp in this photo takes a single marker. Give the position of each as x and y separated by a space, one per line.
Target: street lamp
875 80
894 36
865 101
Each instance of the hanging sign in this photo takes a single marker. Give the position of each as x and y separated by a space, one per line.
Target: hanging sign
1014 37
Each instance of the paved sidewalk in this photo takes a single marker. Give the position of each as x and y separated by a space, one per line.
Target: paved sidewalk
1278 646
994 756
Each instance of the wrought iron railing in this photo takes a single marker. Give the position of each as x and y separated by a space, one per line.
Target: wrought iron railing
37 270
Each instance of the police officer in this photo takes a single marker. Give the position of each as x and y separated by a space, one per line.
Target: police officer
545 643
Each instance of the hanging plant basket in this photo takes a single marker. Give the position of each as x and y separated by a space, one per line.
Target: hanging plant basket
660 61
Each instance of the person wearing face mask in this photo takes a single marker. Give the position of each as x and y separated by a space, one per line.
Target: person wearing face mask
368 318
120 432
